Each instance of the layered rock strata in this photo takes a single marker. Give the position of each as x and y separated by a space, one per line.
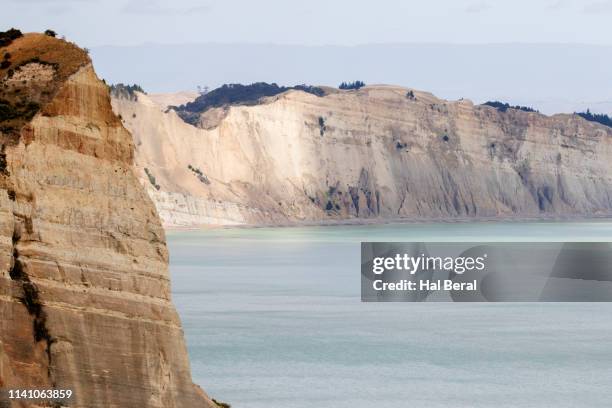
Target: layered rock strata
84 286
370 155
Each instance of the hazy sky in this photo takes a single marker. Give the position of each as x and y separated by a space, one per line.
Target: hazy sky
315 22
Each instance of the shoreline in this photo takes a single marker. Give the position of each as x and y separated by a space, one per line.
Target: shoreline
388 221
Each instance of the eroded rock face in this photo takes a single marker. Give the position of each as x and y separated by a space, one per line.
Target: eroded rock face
84 286
378 153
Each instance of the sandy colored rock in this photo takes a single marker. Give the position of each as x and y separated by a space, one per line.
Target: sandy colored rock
164 100
375 154
84 286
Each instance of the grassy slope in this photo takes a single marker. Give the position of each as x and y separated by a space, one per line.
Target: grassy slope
20 102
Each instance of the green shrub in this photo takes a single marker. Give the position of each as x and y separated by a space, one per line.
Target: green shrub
596 117
20 110
503 107
221 404
151 178
236 94
7 37
199 174
322 127
3 163
352 85
123 91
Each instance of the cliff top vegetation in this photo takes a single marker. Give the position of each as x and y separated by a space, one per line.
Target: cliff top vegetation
503 107
596 117
32 68
124 91
236 94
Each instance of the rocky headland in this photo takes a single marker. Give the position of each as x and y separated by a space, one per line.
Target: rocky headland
84 286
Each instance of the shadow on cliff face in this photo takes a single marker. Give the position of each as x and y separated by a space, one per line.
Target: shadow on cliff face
360 200
3 164
30 297
543 194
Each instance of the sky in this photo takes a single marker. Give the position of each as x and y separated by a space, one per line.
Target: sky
93 23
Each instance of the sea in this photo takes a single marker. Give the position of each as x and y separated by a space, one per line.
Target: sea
273 318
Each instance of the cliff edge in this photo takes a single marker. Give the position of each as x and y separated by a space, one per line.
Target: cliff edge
369 155
84 286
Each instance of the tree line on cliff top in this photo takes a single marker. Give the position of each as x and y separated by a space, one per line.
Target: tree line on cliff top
600 118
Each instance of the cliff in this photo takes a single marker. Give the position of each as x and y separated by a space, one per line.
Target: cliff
84 286
378 153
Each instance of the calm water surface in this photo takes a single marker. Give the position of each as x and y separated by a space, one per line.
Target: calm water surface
273 318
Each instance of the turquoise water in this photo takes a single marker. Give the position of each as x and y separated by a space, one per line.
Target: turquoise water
273 318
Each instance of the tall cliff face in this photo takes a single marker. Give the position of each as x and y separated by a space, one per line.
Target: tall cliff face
84 286
381 152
